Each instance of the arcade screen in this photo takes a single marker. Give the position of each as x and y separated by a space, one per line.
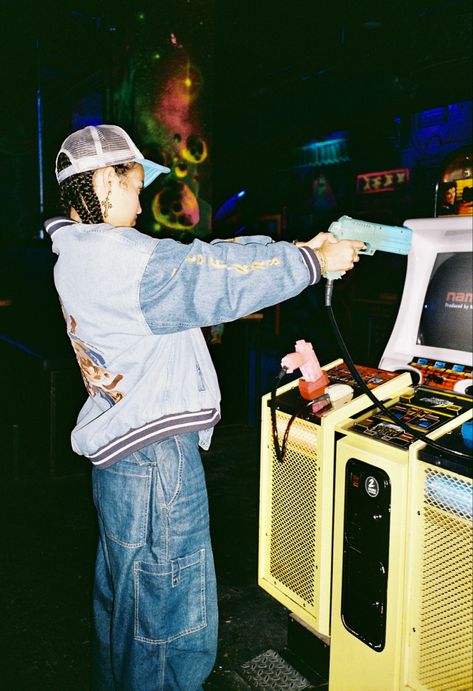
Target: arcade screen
447 313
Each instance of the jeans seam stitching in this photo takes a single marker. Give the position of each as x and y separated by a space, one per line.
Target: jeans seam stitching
137 595
144 527
184 632
203 599
163 665
128 545
168 573
166 535
179 473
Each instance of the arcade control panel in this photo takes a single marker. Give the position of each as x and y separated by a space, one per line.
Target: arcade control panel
422 409
371 376
446 392
447 376
291 401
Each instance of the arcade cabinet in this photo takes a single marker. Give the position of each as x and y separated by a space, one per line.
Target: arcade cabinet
366 530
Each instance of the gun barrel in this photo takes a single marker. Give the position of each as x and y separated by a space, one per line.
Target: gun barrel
389 239
376 236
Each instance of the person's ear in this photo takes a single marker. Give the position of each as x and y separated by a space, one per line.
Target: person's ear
102 180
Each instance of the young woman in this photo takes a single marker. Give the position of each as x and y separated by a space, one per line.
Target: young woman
134 306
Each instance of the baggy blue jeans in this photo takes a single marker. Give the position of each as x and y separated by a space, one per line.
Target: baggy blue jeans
155 602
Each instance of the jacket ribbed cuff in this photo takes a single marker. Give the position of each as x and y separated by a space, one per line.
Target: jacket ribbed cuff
312 264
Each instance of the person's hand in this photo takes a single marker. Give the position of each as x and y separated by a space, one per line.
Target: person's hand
316 242
339 255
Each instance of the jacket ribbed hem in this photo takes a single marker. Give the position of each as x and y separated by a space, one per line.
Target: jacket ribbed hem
167 426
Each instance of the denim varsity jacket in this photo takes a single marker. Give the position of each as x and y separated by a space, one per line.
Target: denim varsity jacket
134 307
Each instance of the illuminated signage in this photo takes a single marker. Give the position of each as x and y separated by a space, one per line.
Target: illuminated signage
384 181
328 152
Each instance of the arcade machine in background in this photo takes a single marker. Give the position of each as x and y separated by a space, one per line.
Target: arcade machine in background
365 531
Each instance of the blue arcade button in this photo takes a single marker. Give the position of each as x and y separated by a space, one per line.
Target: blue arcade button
467 433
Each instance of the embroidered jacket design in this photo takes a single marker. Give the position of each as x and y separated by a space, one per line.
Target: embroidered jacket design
97 379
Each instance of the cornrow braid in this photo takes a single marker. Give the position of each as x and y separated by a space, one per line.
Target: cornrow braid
77 191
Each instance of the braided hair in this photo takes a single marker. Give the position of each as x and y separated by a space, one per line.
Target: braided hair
77 191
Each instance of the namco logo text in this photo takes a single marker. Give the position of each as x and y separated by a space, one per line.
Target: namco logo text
452 296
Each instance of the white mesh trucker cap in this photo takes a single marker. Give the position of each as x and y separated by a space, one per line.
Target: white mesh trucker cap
99 146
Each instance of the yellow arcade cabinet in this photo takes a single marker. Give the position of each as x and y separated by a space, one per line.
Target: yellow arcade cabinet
402 589
296 495
372 611
402 598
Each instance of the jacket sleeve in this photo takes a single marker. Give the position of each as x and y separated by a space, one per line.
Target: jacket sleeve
201 284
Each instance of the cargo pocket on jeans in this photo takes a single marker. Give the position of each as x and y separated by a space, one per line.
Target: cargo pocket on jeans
170 598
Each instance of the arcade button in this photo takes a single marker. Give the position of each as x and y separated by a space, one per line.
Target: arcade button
467 433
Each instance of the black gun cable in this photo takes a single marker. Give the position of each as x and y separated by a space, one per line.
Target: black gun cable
280 449
351 366
277 447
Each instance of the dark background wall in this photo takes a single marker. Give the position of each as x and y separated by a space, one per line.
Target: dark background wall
271 81
277 75
301 71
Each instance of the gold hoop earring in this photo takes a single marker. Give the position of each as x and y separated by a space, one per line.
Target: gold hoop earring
105 203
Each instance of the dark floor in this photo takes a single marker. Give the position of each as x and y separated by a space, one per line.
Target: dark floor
46 572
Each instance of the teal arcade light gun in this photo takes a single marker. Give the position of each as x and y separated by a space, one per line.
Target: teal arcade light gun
375 236
396 240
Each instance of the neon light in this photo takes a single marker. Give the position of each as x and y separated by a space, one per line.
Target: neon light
382 181
230 206
328 152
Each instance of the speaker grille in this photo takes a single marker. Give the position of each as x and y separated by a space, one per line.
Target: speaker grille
446 597
293 548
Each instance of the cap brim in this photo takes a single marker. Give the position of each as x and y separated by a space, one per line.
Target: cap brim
151 170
